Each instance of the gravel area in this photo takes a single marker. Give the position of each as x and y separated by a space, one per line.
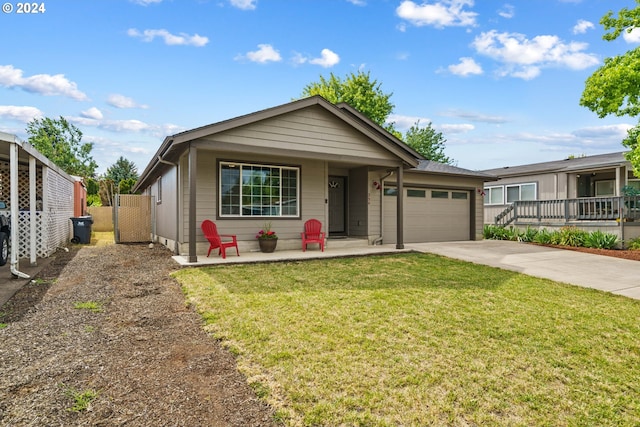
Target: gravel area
140 349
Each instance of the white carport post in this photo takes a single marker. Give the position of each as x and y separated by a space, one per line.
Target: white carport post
32 211
13 176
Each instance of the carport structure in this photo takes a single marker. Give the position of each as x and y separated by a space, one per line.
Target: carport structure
40 201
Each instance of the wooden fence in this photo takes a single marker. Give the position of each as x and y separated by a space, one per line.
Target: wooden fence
132 218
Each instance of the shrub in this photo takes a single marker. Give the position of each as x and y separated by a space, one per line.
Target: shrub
571 236
495 232
634 244
599 240
543 237
527 235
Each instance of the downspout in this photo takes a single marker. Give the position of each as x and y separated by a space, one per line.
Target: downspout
13 174
379 239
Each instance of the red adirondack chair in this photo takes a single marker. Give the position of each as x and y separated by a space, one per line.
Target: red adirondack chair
215 240
312 234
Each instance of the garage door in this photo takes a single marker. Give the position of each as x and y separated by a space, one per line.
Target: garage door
430 215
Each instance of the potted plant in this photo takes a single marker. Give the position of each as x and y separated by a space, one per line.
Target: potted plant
267 239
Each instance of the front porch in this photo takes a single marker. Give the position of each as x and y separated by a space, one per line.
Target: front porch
334 248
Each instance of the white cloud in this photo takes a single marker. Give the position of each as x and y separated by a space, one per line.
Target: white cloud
121 101
524 58
403 123
327 59
146 2
440 14
619 132
507 11
265 53
358 2
92 113
631 35
21 114
244 4
43 84
467 66
455 128
475 117
181 39
582 26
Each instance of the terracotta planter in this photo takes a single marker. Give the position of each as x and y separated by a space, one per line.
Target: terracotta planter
267 245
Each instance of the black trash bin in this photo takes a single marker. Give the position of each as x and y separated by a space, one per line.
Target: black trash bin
82 229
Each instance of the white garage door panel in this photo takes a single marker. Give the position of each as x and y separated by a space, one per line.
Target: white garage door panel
429 219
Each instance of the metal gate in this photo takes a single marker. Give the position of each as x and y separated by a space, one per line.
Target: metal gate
132 218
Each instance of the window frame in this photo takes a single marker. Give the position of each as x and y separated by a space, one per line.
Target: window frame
241 166
491 189
507 186
611 182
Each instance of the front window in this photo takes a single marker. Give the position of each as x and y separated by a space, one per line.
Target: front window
250 190
494 195
605 188
521 192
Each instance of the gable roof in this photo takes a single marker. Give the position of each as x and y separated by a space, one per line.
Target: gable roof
574 164
175 145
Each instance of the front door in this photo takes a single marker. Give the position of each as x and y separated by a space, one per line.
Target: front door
337 211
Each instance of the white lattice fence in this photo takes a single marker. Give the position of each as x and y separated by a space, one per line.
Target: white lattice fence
54 208
58 208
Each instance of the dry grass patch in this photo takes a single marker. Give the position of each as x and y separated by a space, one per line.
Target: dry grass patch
417 339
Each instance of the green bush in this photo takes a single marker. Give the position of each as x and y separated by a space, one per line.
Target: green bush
93 200
571 236
634 244
599 240
495 232
528 235
543 237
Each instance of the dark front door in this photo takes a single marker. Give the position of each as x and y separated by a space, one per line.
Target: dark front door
337 211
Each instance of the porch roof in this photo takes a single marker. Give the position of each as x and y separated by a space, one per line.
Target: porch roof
574 164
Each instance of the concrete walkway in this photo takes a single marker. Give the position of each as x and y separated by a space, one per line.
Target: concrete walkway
618 276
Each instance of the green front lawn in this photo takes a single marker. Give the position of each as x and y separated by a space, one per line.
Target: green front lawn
417 339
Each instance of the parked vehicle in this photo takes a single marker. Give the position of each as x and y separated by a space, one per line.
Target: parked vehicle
5 232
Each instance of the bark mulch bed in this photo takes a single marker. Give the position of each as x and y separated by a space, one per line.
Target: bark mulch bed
143 350
633 255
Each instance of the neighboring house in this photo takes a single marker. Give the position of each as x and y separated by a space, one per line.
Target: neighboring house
301 160
583 191
40 198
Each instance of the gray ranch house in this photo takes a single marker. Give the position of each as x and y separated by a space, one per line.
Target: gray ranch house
590 192
305 159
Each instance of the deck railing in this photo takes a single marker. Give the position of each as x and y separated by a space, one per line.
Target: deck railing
623 208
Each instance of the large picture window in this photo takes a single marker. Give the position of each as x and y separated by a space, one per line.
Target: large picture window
521 192
250 190
513 192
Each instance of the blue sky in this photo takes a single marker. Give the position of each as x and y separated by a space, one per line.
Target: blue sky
501 80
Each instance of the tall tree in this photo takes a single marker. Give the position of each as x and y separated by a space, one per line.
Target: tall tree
357 90
121 170
60 142
366 95
613 88
427 142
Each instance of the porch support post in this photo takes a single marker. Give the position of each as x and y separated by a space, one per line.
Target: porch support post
620 182
400 209
32 211
193 158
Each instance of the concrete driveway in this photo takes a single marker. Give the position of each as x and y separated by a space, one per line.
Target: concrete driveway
618 276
